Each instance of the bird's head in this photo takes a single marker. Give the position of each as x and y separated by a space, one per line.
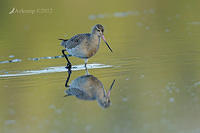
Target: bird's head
98 30
105 101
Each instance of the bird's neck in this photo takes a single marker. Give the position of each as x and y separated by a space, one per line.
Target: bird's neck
95 39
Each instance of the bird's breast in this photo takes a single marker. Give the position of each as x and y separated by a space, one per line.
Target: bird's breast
93 47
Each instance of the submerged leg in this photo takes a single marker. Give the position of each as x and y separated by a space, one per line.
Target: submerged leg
66 83
86 72
86 60
68 77
68 62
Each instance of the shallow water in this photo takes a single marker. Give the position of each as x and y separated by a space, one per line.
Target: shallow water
155 63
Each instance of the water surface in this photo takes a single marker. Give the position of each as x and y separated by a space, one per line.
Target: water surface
155 62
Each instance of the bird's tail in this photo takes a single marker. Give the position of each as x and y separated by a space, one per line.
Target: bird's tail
63 43
68 93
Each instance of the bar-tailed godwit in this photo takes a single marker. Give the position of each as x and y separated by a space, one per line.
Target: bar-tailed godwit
84 45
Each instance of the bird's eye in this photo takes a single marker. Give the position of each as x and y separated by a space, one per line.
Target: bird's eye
98 30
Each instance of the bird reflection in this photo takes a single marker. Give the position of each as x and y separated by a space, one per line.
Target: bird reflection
88 87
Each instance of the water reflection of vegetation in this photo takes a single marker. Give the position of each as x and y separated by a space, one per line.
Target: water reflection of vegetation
88 87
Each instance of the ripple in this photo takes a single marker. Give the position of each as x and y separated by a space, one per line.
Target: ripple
115 15
47 57
9 122
121 14
11 56
33 59
194 23
56 69
10 61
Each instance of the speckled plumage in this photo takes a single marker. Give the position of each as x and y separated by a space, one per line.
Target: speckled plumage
75 40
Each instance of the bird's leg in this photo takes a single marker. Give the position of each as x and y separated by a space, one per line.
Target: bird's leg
86 72
86 60
66 83
69 74
68 62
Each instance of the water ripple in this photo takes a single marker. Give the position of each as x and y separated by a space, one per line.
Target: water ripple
120 14
47 57
10 61
56 69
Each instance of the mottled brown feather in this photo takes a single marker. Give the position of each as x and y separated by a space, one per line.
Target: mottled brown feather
76 40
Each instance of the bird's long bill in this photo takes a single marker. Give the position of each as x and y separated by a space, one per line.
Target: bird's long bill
102 36
108 94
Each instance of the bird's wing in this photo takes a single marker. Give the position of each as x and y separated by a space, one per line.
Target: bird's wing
78 93
76 40
75 91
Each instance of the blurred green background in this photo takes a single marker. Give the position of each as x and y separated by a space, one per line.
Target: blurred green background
155 63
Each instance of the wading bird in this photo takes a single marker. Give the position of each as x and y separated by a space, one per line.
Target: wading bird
85 45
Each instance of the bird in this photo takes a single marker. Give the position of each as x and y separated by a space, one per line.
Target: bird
88 87
85 45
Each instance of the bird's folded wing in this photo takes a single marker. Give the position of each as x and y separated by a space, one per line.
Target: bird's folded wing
76 40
